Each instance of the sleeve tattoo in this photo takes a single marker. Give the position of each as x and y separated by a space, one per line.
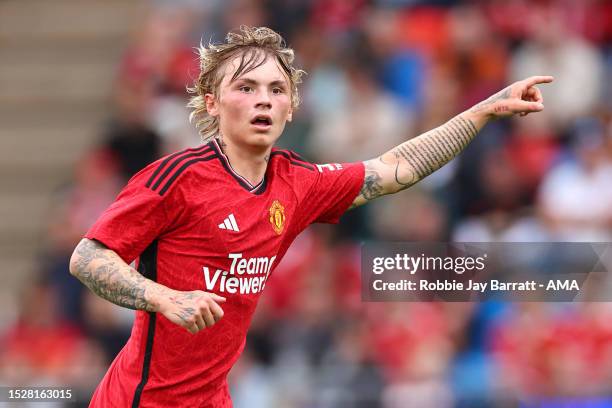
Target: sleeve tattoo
415 159
108 276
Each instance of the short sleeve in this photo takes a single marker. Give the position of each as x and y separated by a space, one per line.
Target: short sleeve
137 217
333 189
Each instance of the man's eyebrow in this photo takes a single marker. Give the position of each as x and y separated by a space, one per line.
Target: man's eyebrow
253 82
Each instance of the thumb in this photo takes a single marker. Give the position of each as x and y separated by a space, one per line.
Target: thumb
217 298
527 107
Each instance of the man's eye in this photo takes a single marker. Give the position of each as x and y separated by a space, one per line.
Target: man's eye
245 89
278 90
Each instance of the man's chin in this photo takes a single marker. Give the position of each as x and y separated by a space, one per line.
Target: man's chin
262 139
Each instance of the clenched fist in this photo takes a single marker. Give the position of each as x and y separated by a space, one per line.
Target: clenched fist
195 310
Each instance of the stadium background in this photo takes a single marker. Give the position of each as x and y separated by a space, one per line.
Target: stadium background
90 91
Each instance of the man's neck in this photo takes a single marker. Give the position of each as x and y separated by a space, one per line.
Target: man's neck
249 163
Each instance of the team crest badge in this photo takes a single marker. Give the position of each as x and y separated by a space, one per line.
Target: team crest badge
277 217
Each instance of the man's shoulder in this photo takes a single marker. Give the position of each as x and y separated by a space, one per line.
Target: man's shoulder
163 174
289 161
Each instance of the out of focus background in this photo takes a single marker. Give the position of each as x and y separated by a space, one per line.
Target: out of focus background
91 91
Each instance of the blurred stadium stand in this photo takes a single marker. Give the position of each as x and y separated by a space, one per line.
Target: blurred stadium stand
58 62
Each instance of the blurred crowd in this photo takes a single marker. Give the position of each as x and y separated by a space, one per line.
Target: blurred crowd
379 72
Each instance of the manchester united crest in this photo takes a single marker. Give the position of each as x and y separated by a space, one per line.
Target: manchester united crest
277 217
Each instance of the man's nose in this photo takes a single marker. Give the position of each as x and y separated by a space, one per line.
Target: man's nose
263 99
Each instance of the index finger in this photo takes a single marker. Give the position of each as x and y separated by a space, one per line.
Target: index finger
539 79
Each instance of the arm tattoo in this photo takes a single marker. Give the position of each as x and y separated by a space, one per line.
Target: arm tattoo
415 159
185 312
108 276
503 94
430 151
371 187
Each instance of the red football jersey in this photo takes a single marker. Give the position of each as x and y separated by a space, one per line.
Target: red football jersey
195 224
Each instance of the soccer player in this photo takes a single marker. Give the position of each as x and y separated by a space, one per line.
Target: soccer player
208 225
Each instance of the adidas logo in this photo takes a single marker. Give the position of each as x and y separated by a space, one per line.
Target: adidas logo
229 223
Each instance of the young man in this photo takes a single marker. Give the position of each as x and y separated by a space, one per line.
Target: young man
210 224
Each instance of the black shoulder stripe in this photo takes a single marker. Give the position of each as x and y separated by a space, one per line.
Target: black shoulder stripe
182 169
172 156
176 163
288 157
298 157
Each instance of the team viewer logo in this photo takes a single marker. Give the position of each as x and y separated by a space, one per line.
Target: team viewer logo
277 217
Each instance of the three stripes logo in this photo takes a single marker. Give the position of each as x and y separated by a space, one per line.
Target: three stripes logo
167 172
229 223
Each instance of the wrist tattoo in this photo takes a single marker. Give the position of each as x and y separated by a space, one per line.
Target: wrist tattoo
503 94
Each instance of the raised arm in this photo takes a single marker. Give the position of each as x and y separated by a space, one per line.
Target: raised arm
412 161
108 276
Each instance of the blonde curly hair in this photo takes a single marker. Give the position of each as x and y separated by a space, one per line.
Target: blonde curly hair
254 45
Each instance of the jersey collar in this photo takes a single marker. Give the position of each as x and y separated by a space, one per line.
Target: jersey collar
257 189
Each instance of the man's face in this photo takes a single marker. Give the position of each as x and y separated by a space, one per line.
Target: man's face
254 108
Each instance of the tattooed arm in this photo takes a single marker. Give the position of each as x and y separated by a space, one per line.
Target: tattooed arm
109 277
417 158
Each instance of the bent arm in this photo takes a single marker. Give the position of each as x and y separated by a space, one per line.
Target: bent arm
412 161
108 276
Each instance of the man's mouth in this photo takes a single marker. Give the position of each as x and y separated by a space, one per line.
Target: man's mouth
262 121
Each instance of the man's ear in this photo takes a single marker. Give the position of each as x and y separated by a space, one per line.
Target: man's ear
290 115
211 104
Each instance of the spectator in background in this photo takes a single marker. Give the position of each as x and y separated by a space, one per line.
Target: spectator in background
416 216
504 205
576 63
96 182
370 120
350 375
150 91
401 70
576 198
478 62
532 149
129 137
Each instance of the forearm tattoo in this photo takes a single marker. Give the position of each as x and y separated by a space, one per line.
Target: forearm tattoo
415 159
108 276
430 151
